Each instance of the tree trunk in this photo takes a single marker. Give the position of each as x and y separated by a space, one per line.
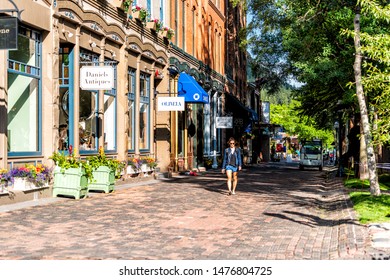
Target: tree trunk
374 185
363 168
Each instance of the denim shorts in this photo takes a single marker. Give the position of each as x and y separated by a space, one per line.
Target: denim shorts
231 167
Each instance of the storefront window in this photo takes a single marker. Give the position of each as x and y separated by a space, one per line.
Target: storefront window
144 111
63 142
109 122
65 129
131 111
109 108
24 98
22 113
88 120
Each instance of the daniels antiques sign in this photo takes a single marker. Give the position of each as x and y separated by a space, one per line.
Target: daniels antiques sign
97 77
8 33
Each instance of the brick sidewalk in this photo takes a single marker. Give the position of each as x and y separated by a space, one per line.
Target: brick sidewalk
278 213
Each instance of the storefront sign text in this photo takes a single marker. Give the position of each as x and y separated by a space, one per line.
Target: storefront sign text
224 122
97 78
170 104
8 33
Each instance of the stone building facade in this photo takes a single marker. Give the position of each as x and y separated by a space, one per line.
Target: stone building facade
47 102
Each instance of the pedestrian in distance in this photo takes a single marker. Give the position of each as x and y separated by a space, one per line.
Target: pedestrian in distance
231 164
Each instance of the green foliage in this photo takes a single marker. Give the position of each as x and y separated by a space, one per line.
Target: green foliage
313 42
127 4
294 124
65 161
101 160
371 208
355 183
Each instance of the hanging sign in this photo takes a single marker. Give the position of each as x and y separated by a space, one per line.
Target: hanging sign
170 104
224 122
97 78
8 33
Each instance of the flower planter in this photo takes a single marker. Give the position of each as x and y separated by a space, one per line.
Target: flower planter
136 15
117 3
145 168
131 170
70 182
163 33
151 25
22 184
3 188
103 180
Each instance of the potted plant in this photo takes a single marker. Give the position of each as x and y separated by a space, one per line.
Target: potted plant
140 13
104 171
125 4
164 31
155 24
170 33
208 162
71 175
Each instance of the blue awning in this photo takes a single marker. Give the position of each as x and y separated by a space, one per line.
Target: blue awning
191 90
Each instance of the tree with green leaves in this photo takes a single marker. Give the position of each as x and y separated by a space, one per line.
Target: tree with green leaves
287 116
311 39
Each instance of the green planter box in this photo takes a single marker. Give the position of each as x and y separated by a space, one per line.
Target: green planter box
70 182
103 180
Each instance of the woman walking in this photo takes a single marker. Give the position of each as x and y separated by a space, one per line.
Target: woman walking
231 164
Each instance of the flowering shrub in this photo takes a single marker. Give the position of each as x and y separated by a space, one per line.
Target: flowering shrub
38 175
149 161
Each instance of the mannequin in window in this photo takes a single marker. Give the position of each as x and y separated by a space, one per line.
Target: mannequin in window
63 137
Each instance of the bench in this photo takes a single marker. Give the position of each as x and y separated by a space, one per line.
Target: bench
383 166
330 173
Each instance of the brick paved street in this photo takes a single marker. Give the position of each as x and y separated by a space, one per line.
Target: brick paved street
277 213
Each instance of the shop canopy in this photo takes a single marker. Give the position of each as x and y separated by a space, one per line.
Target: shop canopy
191 90
252 114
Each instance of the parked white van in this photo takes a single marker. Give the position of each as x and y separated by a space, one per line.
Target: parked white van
311 154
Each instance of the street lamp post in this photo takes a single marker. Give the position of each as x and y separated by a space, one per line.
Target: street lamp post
339 167
336 128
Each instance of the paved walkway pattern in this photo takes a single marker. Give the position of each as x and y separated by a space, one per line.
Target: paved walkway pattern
277 214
